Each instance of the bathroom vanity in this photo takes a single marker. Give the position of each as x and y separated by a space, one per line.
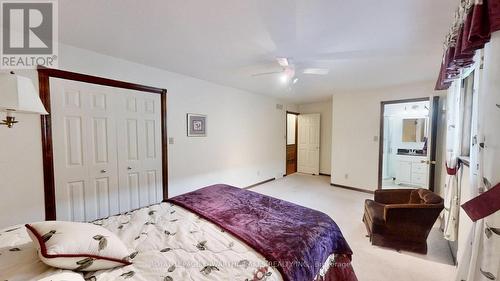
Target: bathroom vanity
412 169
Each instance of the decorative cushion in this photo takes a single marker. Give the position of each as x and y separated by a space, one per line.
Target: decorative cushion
77 246
415 197
429 197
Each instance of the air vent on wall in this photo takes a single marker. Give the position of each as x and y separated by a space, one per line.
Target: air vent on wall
279 106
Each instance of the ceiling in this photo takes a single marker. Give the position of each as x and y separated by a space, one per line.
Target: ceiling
365 44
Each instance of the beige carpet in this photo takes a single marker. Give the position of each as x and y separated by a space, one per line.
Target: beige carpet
371 263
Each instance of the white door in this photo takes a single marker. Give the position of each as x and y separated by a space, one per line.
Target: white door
85 155
308 143
139 146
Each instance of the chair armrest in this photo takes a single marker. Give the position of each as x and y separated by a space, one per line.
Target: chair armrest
393 196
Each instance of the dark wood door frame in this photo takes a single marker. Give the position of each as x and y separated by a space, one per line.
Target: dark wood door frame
433 147
44 75
433 137
286 139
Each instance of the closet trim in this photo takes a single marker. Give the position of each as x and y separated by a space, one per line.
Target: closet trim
44 75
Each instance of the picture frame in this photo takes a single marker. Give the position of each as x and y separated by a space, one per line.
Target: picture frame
196 125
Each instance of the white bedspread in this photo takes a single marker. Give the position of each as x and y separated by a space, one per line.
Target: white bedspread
171 244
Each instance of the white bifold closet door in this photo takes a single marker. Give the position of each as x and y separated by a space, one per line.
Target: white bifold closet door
107 149
139 146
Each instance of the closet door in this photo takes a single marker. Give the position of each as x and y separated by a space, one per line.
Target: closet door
139 149
84 142
103 168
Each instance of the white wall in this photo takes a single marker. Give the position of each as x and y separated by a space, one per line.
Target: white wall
325 110
356 130
245 142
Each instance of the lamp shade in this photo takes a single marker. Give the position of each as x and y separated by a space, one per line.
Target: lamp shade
18 94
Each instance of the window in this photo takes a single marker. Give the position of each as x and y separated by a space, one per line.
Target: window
466 102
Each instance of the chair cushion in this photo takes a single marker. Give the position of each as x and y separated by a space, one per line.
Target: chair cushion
375 211
415 197
424 196
429 197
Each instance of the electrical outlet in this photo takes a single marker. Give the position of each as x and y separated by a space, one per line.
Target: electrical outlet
346 176
170 140
375 138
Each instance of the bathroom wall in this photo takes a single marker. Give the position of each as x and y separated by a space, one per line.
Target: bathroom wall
356 131
394 141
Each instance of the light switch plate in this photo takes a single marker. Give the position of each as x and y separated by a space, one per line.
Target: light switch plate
170 140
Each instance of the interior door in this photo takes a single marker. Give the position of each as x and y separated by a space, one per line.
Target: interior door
85 160
139 145
308 143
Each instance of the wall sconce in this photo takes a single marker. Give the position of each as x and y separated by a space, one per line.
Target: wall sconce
17 94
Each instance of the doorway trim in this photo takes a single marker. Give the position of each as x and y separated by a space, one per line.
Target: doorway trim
296 139
381 137
433 147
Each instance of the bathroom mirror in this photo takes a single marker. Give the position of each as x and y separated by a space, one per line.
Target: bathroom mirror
415 129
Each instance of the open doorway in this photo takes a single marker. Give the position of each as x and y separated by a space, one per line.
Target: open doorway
407 144
291 142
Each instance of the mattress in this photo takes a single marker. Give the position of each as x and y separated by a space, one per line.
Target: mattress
171 242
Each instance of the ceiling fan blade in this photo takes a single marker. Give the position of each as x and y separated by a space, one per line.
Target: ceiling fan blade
282 61
316 71
266 73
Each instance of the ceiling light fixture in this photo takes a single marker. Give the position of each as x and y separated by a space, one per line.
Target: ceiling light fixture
295 80
284 78
282 61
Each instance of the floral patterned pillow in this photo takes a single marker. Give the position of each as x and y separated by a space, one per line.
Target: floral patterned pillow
77 246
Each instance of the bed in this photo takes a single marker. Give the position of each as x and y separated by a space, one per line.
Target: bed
215 233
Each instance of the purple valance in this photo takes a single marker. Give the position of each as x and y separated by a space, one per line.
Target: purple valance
475 24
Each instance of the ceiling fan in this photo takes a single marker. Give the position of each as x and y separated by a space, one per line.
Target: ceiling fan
288 71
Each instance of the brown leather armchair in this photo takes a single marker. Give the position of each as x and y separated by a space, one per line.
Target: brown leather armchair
402 218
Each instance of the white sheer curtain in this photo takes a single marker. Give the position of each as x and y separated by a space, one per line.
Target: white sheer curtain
483 257
453 149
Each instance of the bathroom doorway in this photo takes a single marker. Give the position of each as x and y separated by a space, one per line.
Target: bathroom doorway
291 142
407 152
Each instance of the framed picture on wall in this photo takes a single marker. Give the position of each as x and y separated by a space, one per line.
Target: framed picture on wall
196 125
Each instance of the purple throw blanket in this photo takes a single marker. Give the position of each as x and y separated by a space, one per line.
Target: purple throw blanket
295 239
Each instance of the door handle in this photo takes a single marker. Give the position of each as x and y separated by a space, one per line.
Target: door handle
433 162
103 171
129 168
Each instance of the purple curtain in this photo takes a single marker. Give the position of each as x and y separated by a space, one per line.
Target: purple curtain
482 19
